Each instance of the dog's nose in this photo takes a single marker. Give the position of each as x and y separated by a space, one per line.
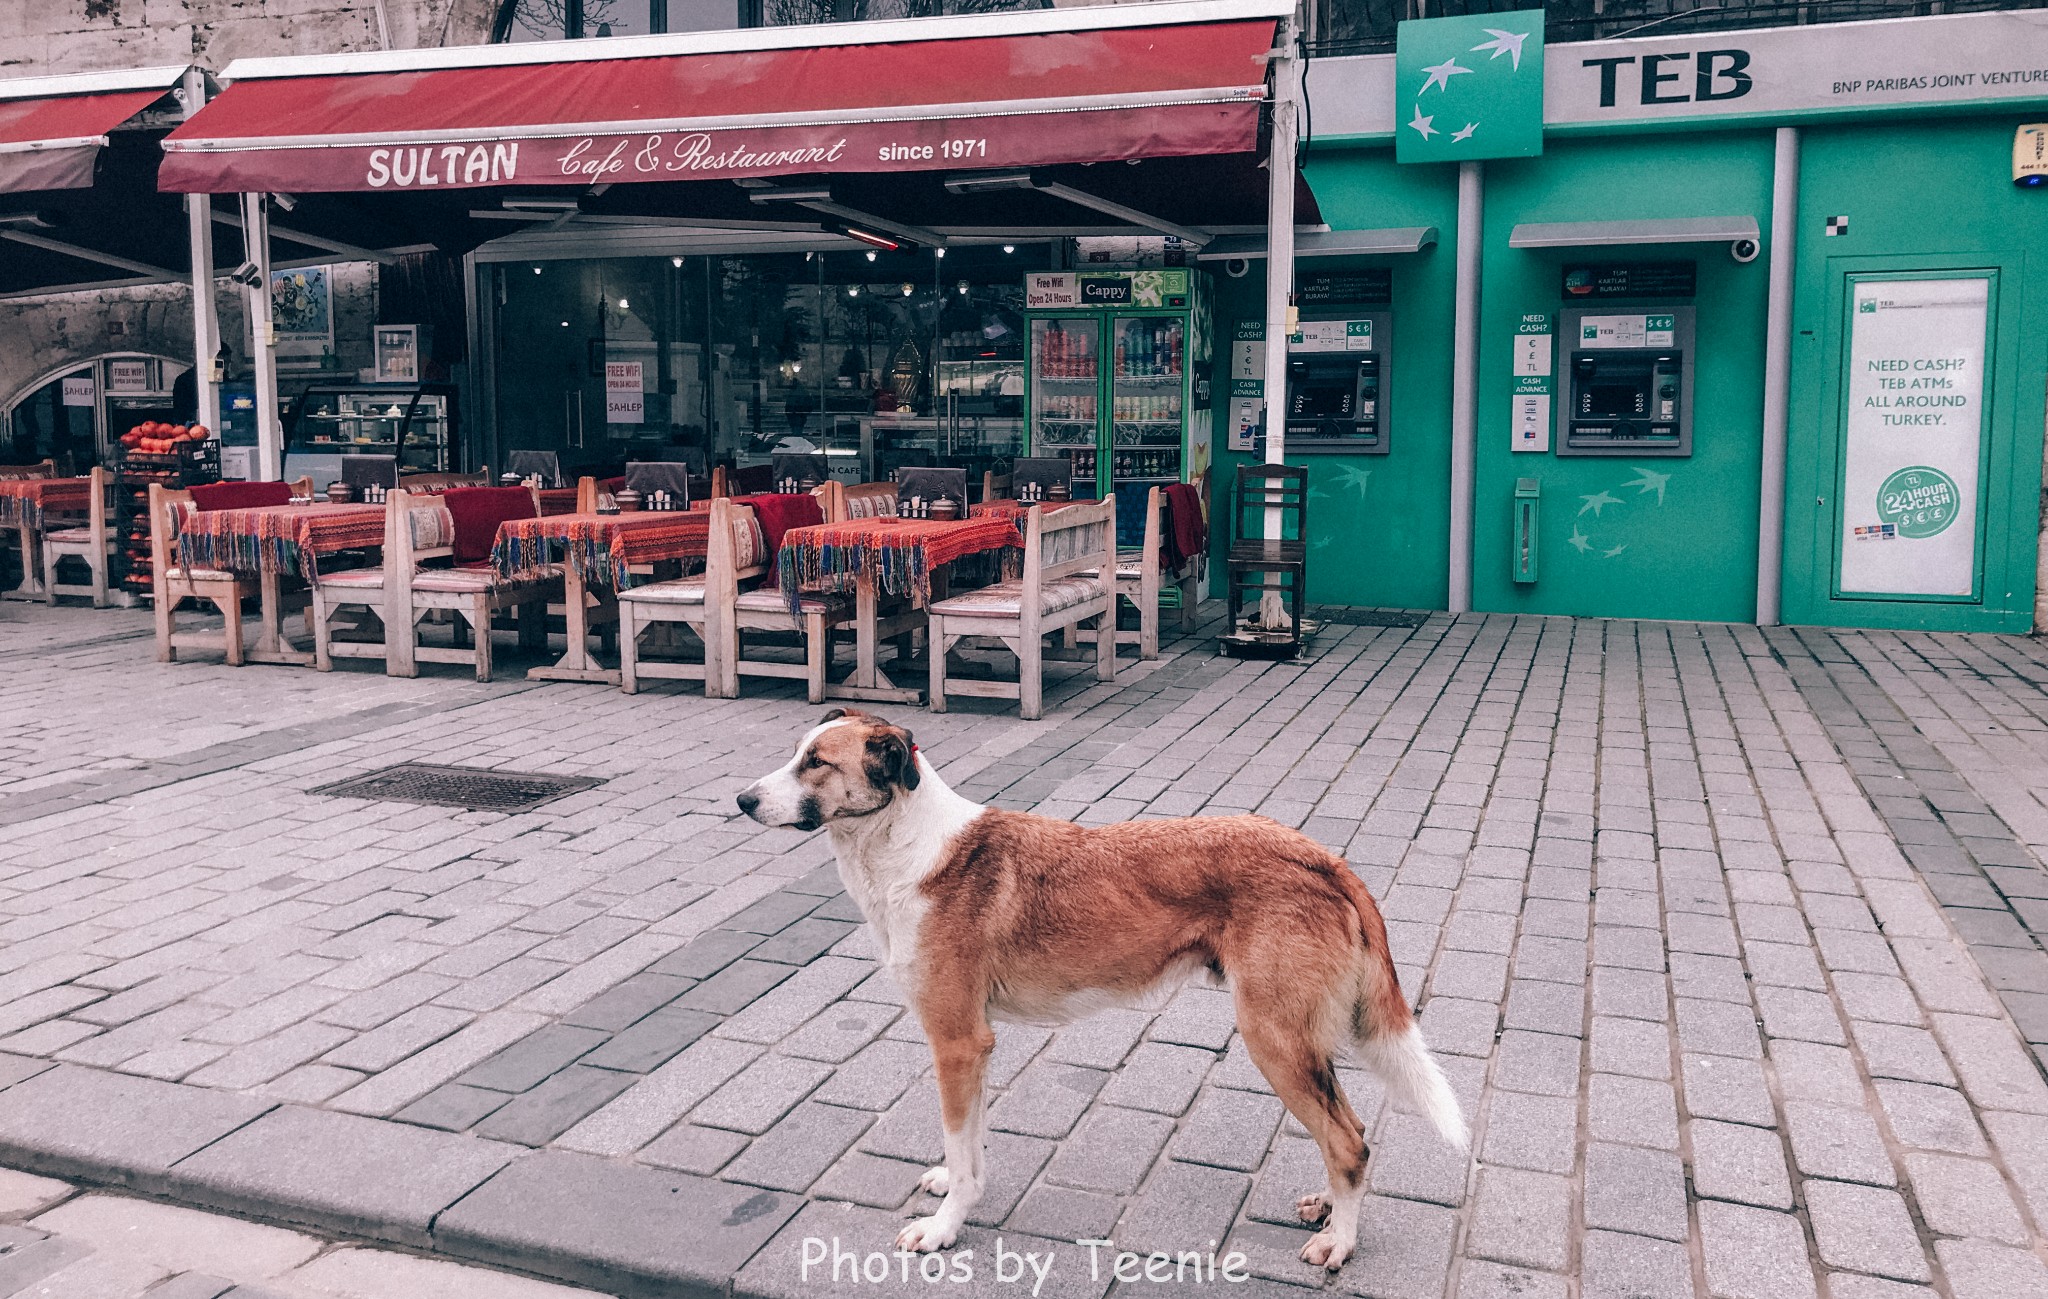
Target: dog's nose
748 801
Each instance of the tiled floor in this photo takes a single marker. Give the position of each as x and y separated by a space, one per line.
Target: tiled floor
1728 940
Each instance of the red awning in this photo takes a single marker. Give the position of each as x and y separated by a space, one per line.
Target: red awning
1006 90
52 128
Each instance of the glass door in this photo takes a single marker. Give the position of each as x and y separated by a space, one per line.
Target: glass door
1066 393
1147 410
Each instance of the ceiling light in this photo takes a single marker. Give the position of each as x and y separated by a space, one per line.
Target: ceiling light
909 289
623 304
536 270
1009 248
870 237
938 252
962 286
676 262
853 290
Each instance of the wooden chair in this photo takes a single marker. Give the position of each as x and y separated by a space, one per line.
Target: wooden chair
473 591
1053 594
995 486
734 551
364 588
88 544
1281 564
46 468
1142 574
844 501
171 581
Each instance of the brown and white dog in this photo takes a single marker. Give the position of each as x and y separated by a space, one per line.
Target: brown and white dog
985 914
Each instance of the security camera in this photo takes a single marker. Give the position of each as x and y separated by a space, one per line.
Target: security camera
248 273
1744 250
1237 268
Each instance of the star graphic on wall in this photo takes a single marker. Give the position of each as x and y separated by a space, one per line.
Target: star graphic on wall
1354 478
1440 75
1465 134
1509 43
1597 502
1610 554
1421 122
1647 481
1580 541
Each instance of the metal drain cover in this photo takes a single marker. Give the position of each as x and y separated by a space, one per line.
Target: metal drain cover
1376 617
474 788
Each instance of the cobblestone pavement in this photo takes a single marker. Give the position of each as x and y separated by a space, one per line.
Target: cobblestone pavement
57 1242
1730 941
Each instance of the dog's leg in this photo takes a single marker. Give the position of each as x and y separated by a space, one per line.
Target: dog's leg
1305 1078
961 1042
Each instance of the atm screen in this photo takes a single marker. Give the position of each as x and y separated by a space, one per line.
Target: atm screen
1611 400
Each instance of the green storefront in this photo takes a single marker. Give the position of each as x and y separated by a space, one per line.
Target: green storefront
1657 431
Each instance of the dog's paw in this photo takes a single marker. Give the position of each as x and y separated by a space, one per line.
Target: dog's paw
934 1181
1313 1208
926 1234
1326 1251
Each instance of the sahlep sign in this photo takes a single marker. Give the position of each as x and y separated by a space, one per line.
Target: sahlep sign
1912 437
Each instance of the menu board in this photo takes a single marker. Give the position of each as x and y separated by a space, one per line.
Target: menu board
1912 436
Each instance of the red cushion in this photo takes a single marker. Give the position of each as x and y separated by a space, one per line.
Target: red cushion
779 513
478 511
239 496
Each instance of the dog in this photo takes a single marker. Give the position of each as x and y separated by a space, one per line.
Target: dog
985 914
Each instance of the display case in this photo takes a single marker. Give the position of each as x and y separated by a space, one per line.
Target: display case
414 421
1119 381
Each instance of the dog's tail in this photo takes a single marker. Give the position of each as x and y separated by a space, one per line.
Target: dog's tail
1385 1036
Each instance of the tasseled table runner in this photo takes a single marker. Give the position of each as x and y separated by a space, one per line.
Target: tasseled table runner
598 548
277 538
898 555
27 500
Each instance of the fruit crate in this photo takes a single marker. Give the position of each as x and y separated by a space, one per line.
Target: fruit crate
187 464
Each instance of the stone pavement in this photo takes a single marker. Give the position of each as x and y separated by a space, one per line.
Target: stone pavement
1730 941
58 1242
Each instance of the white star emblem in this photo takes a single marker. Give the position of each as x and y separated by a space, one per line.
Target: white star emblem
1508 43
1440 75
1465 134
1421 122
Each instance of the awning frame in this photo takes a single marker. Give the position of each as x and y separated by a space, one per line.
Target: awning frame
1621 234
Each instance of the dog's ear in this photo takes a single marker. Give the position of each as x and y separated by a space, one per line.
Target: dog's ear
892 758
832 716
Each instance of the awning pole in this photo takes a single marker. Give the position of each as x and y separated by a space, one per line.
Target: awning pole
1770 536
205 312
1280 180
256 244
1465 380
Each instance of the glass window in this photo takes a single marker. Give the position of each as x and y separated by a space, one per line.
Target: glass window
554 20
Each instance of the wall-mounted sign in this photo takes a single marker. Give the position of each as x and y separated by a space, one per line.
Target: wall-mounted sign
128 376
1469 87
1627 331
302 312
1372 286
1675 279
1529 419
78 391
1141 288
1912 436
625 397
1331 336
397 351
1980 58
1248 359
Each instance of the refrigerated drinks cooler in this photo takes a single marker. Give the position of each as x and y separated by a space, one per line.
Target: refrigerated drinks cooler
1119 381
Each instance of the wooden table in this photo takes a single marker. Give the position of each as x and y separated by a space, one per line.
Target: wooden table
24 504
595 552
874 556
273 542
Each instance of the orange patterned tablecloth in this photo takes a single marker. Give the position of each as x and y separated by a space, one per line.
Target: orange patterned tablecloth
27 500
899 555
598 548
277 538
1017 511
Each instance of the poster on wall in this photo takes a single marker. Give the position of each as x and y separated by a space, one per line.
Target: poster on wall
1912 436
128 376
77 391
302 309
625 398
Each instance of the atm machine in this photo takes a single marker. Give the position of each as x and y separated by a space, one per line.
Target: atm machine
1627 379
1337 362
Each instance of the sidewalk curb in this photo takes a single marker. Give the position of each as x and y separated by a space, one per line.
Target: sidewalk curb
573 1218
